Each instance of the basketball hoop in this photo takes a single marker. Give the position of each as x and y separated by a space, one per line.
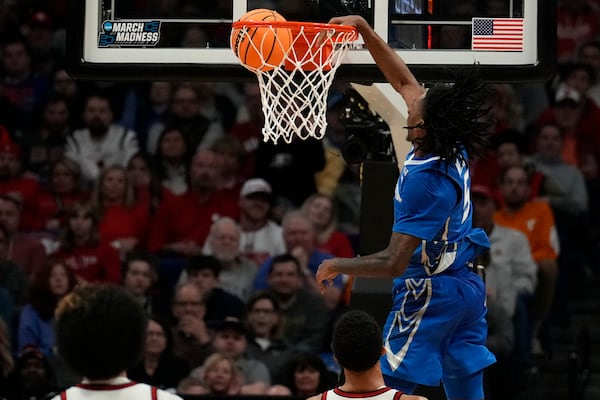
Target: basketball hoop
294 90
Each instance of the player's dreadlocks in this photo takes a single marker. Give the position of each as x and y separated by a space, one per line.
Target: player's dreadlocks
454 117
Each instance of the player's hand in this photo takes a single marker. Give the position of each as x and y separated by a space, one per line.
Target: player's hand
326 274
350 20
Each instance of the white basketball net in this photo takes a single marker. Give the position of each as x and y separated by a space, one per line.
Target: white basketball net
294 93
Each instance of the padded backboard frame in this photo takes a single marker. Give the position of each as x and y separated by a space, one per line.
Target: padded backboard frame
87 60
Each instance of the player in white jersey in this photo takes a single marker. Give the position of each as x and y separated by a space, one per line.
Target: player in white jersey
357 347
100 332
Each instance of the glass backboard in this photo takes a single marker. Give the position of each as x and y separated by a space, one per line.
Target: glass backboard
512 40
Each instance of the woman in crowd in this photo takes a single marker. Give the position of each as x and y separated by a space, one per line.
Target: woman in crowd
172 158
159 367
221 376
147 188
123 221
307 375
81 249
64 189
263 319
321 212
36 324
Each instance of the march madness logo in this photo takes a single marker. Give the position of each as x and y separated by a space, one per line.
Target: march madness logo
129 33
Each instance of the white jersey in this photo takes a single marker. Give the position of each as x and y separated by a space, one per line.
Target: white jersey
115 389
116 147
383 393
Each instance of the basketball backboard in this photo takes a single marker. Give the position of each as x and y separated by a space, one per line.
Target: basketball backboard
183 39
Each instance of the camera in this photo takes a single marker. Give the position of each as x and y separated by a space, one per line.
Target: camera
367 135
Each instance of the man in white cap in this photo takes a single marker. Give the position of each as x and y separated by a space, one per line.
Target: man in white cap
261 237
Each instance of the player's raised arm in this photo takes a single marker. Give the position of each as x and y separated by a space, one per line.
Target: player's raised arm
391 64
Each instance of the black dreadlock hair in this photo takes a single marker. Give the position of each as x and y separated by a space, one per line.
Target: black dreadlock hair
455 117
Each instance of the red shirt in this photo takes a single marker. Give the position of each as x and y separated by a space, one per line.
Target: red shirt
184 218
51 206
122 222
338 244
99 263
28 188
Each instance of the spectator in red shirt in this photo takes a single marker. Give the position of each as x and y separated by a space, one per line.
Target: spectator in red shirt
13 180
248 131
181 224
320 210
65 188
147 187
91 259
24 249
123 222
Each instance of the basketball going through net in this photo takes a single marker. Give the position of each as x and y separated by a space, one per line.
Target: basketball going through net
295 63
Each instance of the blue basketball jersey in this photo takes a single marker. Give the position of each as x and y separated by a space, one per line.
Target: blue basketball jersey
432 201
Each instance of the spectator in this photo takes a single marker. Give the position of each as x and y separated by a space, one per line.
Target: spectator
578 122
533 218
305 318
23 249
33 377
231 341
46 143
146 107
159 367
589 54
39 32
306 375
231 155
12 277
25 90
220 375
15 181
36 323
289 171
181 225
66 87
184 113
204 271
248 127
564 185
320 210
264 321
123 221
511 150
91 259
172 160
261 236
146 185
101 142
139 278
190 386
64 188
217 108
238 273
299 237
511 274
192 339
577 22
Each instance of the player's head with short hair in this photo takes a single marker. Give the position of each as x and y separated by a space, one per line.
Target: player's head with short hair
454 117
357 342
100 330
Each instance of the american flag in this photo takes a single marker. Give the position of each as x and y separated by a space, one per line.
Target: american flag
497 34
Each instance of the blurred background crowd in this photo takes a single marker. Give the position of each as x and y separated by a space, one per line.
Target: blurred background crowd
168 189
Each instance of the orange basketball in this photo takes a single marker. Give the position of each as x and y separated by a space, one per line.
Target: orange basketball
261 48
